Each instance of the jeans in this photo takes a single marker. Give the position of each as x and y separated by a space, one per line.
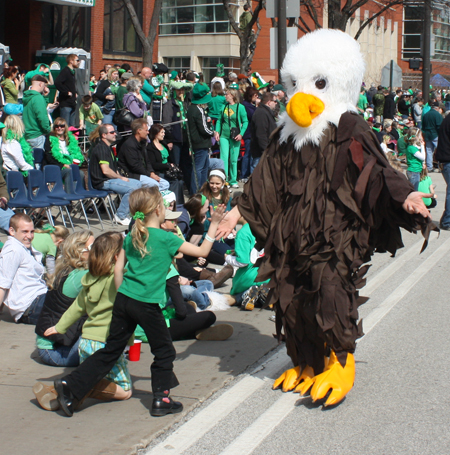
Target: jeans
148 181
414 178
201 160
198 294
445 218
61 356
68 114
66 175
255 162
5 216
246 160
31 314
127 313
37 142
124 188
430 146
108 118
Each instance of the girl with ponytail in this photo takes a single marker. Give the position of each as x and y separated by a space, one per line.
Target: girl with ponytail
148 252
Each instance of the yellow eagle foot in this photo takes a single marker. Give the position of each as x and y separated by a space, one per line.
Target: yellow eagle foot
305 380
289 379
339 379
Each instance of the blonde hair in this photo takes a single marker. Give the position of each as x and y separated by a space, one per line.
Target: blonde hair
146 201
58 231
71 256
15 124
103 252
234 93
413 136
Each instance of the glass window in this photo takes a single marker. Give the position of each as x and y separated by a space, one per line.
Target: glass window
414 13
68 26
411 42
119 34
413 27
179 63
209 67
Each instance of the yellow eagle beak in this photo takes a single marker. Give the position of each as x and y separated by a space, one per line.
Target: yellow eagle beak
302 108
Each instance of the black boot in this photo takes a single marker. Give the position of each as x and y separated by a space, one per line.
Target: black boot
163 406
65 397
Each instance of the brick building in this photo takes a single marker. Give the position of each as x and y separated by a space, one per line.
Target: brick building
101 27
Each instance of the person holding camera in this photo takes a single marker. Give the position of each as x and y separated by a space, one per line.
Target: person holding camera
231 126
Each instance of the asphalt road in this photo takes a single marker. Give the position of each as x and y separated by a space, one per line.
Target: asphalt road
400 400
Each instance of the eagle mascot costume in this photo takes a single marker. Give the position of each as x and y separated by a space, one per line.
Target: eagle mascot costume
321 201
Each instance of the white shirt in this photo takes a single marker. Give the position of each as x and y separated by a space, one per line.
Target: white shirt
21 273
13 159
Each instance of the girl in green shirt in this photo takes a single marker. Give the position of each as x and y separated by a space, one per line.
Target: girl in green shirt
147 254
415 156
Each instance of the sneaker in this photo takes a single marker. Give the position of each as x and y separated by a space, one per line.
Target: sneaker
66 399
244 180
262 296
46 396
124 222
235 185
219 332
164 406
249 298
192 304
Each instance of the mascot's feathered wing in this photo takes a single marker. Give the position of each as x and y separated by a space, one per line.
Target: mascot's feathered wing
322 199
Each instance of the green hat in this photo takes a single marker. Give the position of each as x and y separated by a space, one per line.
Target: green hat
173 74
201 94
277 87
121 71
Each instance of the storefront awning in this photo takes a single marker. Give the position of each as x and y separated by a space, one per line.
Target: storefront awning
71 2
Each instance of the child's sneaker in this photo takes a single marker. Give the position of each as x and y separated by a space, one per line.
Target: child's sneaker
249 298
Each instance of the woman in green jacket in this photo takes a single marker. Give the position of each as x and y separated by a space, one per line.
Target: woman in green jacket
233 119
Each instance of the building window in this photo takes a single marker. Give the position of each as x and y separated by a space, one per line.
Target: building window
195 16
119 36
209 66
66 26
179 64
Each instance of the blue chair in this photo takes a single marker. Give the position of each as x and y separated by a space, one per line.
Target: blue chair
54 184
89 194
110 201
39 193
19 198
38 155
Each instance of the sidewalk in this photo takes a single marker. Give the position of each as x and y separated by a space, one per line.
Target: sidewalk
117 427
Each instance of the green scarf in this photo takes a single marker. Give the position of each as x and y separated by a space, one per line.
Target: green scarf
27 150
73 149
164 155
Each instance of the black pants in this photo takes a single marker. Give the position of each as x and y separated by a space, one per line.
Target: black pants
127 313
186 328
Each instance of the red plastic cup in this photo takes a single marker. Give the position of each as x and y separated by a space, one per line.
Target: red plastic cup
134 354
77 162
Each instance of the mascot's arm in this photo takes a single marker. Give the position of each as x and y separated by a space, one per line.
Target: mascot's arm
261 197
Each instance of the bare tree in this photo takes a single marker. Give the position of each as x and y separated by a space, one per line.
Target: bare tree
147 41
247 37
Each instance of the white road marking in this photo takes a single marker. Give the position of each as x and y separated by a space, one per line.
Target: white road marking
189 433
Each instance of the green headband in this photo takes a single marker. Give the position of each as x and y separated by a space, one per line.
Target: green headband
204 199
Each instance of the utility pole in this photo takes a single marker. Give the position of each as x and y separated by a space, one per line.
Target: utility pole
282 35
426 56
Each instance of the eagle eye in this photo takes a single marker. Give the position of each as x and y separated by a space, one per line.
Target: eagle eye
321 84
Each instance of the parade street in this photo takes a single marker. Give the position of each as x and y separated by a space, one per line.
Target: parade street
399 403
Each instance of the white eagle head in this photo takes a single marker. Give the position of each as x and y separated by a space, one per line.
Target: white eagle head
322 73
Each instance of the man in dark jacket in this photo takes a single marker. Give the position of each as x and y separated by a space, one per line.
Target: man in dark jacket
105 175
431 123
200 132
262 125
389 106
65 83
443 156
133 157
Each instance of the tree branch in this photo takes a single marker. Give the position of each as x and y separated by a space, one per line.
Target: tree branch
135 21
234 25
372 18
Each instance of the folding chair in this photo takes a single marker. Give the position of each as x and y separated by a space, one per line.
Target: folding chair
38 155
53 182
39 193
19 197
89 194
110 201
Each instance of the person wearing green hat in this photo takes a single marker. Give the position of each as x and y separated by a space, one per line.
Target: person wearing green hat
200 132
43 70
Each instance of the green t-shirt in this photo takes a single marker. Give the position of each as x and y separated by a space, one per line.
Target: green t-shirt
93 115
245 276
164 155
362 102
401 146
424 187
44 244
121 92
414 164
216 105
145 277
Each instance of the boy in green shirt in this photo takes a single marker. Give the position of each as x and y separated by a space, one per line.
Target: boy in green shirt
90 115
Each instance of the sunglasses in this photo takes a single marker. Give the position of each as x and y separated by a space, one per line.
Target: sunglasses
87 249
59 126
77 60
